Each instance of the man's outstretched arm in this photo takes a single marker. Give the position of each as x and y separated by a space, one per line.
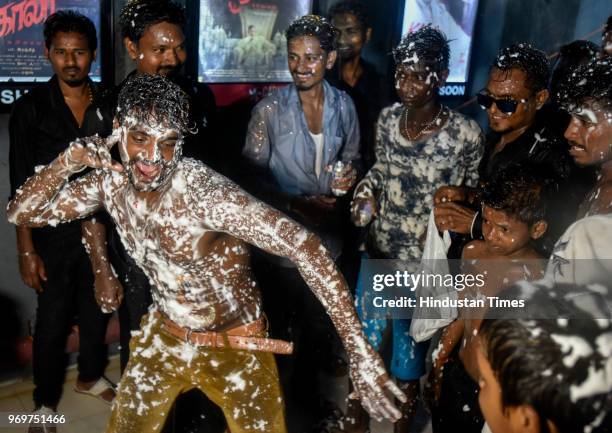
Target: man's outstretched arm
46 198
226 208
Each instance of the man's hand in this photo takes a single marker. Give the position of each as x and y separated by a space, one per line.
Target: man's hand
371 383
314 209
108 291
450 193
91 152
345 182
32 270
454 217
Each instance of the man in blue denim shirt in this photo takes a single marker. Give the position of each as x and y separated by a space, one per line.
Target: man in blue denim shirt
295 137
299 132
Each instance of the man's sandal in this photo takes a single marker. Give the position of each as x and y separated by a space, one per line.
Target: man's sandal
98 389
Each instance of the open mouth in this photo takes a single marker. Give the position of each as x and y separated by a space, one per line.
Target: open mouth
148 171
576 148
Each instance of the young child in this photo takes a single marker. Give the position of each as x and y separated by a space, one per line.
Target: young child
514 215
551 373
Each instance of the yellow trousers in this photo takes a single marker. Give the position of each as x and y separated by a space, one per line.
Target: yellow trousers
244 384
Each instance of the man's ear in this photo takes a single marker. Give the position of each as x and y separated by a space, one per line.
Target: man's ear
541 98
538 229
368 34
131 47
47 53
115 123
524 419
94 55
331 59
527 419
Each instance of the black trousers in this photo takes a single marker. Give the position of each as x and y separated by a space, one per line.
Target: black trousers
68 291
295 314
458 409
136 294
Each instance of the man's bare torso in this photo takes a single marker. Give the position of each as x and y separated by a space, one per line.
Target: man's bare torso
201 277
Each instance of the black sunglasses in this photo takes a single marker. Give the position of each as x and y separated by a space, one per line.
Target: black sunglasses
506 106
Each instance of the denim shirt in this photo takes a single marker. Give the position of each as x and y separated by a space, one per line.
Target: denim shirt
278 139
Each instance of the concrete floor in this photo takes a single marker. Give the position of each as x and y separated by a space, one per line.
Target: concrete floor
87 414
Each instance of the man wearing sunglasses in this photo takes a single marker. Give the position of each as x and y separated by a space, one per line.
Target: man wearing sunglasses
514 94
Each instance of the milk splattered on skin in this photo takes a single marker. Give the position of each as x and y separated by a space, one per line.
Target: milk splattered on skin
180 236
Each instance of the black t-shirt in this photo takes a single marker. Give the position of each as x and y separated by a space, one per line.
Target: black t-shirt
369 99
41 126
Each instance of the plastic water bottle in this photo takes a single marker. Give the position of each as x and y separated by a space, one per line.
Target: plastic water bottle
340 169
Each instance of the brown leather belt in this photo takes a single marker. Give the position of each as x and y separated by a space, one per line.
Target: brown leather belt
239 337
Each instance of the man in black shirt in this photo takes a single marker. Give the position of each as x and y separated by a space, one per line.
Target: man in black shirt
44 122
353 74
513 98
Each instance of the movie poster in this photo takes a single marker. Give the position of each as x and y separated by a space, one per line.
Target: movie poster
243 41
22 45
456 19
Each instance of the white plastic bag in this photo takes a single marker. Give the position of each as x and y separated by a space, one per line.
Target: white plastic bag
434 261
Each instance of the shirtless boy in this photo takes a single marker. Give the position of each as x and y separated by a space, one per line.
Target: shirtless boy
514 207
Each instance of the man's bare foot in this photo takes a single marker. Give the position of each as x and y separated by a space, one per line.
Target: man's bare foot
101 388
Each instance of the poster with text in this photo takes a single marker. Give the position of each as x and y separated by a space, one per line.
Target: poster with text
22 45
453 17
243 41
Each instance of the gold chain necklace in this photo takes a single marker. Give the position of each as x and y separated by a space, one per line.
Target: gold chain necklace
424 128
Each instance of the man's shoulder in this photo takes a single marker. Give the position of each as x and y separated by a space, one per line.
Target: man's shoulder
193 173
465 129
465 121
279 97
201 183
38 96
339 95
588 237
474 250
391 111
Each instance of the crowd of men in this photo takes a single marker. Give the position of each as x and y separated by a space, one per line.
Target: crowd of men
237 300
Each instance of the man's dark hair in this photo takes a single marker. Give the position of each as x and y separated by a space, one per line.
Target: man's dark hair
521 191
138 15
154 100
556 357
528 59
607 25
353 7
592 81
70 22
316 26
571 56
428 44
